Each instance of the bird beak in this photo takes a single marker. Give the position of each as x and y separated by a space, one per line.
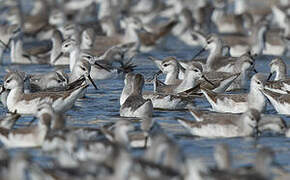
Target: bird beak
207 80
159 72
101 66
92 81
5 45
255 70
2 89
57 58
269 77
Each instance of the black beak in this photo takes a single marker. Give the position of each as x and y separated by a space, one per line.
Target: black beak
269 77
5 45
207 80
255 70
2 89
159 72
101 66
201 51
93 83
57 58
8 44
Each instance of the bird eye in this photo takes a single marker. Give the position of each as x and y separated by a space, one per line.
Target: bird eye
59 81
66 45
258 82
83 68
195 70
165 65
8 80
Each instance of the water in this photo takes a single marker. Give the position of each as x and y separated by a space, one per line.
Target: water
102 106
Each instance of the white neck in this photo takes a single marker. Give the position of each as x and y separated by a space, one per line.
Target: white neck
73 58
125 94
217 15
171 77
130 35
213 54
240 6
259 41
280 74
56 49
121 135
104 9
256 99
13 97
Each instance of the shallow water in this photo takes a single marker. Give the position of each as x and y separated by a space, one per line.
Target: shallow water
102 106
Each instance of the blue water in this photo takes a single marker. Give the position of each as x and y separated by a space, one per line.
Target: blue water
101 106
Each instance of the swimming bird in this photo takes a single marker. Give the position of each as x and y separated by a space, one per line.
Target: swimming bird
171 67
192 74
244 125
281 83
28 136
267 122
135 105
167 96
253 43
28 103
281 102
238 103
40 82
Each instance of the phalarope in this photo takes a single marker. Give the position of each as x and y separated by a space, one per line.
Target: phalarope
135 105
28 137
217 62
281 83
56 58
7 33
253 43
238 103
28 103
98 71
244 125
19 55
129 77
171 67
192 74
267 122
123 133
262 165
120 132
227 23
46 81
281 102
166 96
220 80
